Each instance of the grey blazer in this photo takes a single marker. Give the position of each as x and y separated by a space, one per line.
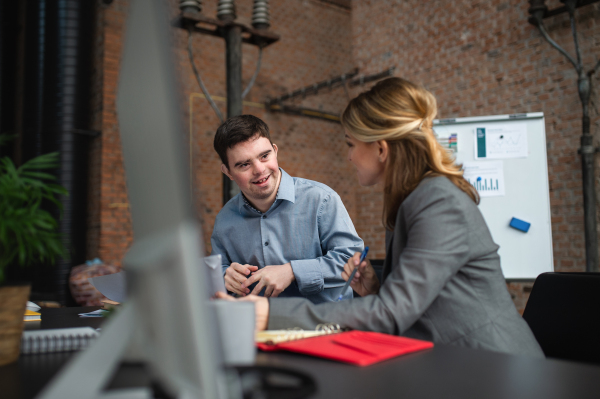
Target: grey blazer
442 281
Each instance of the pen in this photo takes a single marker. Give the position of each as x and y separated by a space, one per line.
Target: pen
362 257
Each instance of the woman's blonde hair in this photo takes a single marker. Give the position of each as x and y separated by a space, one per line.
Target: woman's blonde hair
402 113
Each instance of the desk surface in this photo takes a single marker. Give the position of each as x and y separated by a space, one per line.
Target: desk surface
444 371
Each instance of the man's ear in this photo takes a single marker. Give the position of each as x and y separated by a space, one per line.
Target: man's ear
225 171
383 150
275 149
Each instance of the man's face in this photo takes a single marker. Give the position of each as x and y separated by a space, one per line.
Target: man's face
253 166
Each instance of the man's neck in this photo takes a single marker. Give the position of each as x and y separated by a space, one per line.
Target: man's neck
265 205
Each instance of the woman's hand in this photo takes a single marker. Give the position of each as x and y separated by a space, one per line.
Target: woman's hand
365 281
261 308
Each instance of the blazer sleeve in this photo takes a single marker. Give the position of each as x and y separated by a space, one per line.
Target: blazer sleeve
436 249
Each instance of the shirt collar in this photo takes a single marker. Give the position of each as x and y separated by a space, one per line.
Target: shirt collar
286 191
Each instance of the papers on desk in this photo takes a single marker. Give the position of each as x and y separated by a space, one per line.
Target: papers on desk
95 313
32 316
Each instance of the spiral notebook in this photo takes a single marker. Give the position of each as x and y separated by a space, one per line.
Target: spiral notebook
57 340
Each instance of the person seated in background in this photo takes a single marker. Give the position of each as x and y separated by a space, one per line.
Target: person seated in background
282 235
442 280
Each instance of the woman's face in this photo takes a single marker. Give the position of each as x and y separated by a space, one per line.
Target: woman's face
368 159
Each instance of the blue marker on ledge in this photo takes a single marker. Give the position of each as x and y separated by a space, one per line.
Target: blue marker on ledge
345 287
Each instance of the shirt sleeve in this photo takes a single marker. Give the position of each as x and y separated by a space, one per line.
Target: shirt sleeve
339 241
435 250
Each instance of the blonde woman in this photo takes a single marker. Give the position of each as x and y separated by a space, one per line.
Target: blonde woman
442 280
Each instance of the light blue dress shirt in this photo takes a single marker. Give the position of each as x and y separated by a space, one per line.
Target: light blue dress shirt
307 225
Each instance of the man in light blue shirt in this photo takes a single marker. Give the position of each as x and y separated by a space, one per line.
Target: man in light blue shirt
285 235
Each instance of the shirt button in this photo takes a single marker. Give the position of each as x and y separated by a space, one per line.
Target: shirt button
264 216
266 243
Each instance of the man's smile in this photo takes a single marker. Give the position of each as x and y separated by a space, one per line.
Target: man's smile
261 181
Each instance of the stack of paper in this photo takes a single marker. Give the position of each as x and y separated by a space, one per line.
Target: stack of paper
32 316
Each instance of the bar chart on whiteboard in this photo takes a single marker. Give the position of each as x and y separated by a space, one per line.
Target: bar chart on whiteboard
486 177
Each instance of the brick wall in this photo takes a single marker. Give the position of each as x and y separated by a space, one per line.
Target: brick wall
316 40
477 57
109 221
483 58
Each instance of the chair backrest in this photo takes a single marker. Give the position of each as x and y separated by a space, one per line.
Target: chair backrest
563 312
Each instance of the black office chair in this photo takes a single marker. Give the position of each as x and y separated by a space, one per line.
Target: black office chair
563 312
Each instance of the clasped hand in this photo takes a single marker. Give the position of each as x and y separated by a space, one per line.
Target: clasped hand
365 281
274 279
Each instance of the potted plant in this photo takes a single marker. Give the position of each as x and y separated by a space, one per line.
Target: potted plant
28 234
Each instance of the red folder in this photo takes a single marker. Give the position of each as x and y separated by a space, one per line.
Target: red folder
355 347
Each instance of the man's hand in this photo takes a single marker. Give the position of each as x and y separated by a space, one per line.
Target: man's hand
275 278
236 275
365 281
261 308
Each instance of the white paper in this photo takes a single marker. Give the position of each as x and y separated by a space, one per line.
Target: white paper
447 139
113 286
486 177
95 313
501 141
215 274
32 306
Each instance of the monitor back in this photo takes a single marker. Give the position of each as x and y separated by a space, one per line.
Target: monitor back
179 333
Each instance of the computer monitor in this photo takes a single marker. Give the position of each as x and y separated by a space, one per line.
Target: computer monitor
167 318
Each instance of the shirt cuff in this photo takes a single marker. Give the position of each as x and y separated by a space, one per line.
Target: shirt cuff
308 276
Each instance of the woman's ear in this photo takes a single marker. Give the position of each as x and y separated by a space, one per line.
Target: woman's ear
383 150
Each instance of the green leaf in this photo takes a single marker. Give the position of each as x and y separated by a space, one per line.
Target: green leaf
28 233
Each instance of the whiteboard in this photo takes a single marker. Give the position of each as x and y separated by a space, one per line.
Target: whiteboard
526 193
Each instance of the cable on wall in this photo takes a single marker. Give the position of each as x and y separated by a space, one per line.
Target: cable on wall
199 79
253 79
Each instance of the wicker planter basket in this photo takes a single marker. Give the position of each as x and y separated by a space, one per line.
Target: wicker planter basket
13 300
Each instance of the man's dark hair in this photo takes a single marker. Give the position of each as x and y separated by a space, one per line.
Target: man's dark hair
238 129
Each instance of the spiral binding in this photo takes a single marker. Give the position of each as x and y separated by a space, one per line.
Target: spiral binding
49 344
329 328
292 334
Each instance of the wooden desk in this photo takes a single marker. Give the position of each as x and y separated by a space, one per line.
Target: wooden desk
443 372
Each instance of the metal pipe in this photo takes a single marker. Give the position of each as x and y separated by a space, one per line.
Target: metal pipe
67 113
314 88
539 11
587 152
233 61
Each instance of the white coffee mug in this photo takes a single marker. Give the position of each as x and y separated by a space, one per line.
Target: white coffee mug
236 324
